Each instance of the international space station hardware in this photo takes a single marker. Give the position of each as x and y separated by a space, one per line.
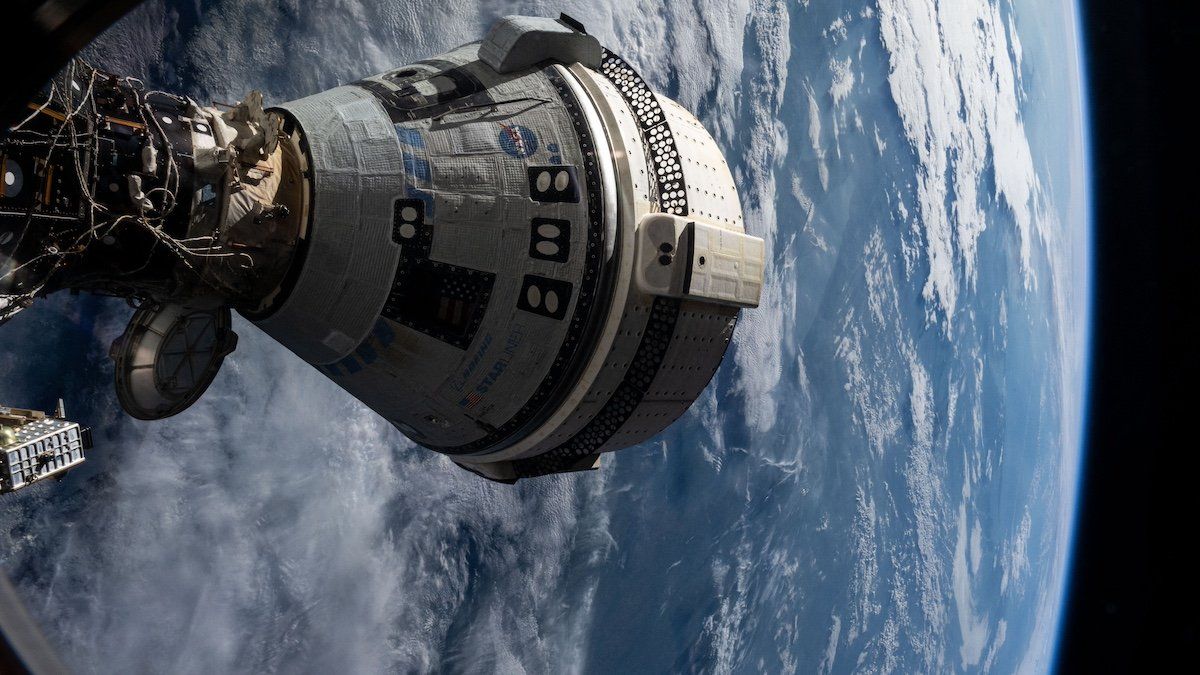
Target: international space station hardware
34 446
516 252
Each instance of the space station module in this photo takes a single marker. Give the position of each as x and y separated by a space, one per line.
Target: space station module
516 252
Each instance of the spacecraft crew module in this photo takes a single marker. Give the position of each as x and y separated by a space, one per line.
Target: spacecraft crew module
516 252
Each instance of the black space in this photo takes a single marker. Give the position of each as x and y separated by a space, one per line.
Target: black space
1132 603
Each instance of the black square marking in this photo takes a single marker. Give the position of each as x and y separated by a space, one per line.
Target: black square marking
445 301
408 225
550 239
553 184
547 297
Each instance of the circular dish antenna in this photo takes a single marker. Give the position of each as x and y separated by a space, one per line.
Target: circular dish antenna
168 356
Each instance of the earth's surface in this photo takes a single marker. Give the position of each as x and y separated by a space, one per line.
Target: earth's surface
881 477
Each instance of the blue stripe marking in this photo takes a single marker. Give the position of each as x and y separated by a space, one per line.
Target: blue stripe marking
417 167
410 137
384 333
351 365
413 192
367 353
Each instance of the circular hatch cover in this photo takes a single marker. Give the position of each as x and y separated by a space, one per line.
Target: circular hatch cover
168 356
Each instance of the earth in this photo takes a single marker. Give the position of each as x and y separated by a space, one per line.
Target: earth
881 477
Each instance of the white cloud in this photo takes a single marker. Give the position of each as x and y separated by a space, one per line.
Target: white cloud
972 627
761 333
923 480
843 80
865 357
250 515
814 137
835 632
724 628
864 579
1014 561
953 82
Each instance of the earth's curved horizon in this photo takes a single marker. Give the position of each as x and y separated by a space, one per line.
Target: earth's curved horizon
882 476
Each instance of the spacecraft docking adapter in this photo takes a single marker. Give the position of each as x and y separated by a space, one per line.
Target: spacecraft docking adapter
516 252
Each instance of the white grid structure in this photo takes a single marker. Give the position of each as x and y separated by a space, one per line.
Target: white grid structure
38 449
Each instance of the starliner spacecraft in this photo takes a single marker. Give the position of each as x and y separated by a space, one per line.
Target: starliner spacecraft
516 252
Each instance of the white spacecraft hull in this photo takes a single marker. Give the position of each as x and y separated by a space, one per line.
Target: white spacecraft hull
516 252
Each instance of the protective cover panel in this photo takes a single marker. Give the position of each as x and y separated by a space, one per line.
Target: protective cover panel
351 256
168 356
